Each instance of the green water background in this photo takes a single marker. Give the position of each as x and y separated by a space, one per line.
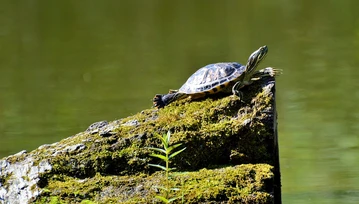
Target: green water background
66 64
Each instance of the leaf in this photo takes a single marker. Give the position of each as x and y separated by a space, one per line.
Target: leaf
168 138
164 158
175 153
163 199
158 166
164 141
169 150
157 149
173 199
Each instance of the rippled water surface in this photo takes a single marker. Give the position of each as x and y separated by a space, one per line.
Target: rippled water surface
66 64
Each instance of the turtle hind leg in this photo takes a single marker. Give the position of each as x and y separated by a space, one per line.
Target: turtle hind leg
236 89
158 101
162 100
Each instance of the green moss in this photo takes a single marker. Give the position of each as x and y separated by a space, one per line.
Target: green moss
216 131
87 202
50 200
26 178
239 184
236 184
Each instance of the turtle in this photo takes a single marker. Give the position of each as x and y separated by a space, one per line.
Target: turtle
224 77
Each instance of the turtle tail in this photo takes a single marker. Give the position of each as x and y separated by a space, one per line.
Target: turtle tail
162 100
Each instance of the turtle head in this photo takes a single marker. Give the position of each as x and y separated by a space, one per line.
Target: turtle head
255 58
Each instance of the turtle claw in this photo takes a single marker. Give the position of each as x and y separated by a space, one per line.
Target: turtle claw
269 71
272 72
238 94
158 101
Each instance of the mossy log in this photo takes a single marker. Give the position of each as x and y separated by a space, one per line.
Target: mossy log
231 156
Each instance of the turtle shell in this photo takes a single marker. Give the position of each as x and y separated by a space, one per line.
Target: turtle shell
213 76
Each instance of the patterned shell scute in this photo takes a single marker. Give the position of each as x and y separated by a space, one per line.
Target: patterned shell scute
212 76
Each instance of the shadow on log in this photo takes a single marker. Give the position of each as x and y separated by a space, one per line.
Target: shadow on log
231 156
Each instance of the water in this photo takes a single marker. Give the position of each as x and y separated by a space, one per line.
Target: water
66 64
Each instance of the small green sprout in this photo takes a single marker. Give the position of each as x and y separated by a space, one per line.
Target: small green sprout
166 154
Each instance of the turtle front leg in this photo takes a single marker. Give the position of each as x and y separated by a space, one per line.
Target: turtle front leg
269 71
